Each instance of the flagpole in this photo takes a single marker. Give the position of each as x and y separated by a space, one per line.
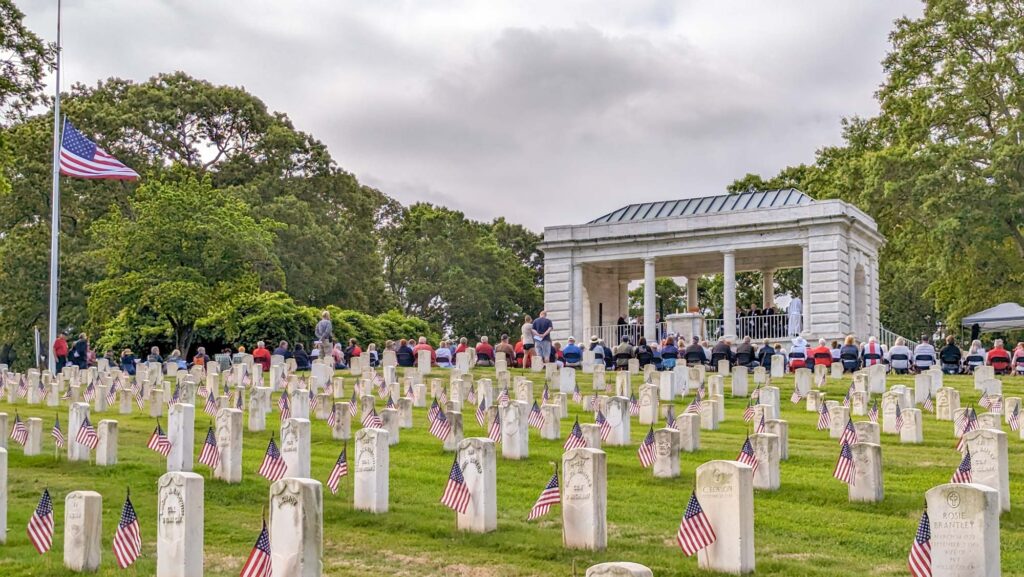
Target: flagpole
55 209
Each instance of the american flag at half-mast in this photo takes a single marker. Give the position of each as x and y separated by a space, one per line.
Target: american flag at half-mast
575 439
158 441
548 497
844 470
340 470
441 428
536 419
127 540
258 563
210 454
81 158
605 426
646 451
456 494
695 531
747 455
19 432
40 524
964 472
273 466
57 433
87 434
824 420
920 560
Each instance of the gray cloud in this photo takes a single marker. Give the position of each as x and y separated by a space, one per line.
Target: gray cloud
546 114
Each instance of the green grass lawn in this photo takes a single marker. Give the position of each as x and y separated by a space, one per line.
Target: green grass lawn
805 528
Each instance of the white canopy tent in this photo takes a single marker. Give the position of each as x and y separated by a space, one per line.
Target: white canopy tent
998 318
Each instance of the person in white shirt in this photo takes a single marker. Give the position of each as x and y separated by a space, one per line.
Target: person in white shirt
924 355
795 312
872 353
899 357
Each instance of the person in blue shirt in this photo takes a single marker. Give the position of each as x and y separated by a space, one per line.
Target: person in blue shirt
572 354
669 354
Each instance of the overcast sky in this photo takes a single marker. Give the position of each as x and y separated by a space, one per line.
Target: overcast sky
545 112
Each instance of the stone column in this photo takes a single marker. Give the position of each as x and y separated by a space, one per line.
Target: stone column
181 425
623 300
805 324
83 530
650 306
479 469
584 500
179 525
577 322
691 291
729 293
768 288
297 527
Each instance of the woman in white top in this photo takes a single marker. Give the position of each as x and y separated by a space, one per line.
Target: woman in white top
527 336
901 364
975 356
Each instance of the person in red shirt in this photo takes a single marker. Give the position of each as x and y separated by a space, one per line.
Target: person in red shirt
422 345
463 345
262 356
60 351
821 354
484 353
998 358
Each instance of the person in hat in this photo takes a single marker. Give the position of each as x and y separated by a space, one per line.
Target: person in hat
573 354
798 353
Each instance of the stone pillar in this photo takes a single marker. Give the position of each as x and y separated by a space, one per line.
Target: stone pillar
725 490
371 471
623 300
729 293
181 425
691 292
296 527
229 442
577 323
650 306
965 530
106 451
479 469
179 525
584 499
83 531
295 447
805 325
768 288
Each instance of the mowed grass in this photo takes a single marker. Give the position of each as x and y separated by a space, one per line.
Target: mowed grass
807 528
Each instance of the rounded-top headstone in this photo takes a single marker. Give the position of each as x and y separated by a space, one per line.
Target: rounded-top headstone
619 569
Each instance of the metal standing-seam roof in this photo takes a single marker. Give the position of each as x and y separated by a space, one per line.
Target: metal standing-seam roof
707 205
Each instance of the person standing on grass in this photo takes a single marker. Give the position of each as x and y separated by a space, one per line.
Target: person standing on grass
324 333
528 342
60 351
542 335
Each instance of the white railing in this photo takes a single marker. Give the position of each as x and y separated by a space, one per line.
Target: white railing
757 327
888 338
612 334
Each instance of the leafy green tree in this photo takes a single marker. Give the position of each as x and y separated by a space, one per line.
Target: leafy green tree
669 296
451 271
24 61
175 250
